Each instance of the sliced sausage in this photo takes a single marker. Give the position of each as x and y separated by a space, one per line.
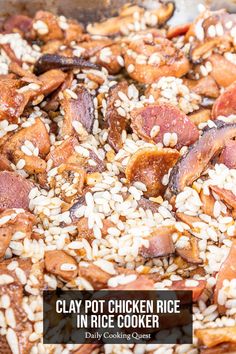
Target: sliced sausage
227 271
167 119
160 243
14 191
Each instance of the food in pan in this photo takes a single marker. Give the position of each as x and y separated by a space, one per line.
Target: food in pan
118 168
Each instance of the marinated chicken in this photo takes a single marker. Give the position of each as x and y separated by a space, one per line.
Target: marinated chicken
118 168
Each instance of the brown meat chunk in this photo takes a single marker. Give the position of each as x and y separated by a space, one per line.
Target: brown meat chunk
178 30
191 253
62 152
228 155
200 116
54 261
221 65
207 203
97 277
116 123
15 291
22 222
110 61
149 165
51 21
205 86
85 232
79 110
160 243
14 191
168 118
51 80
226 195
227 271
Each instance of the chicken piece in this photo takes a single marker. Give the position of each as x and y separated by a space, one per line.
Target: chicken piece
226 195
146 61
72 174
149 165
201 116
160 243
12 103
178 30
221 65
16 222
86 349
47 26
33 164
51 80
208 202
63 151
116 25
14 289
152 122
56 262
108 58
191 253
213 336
97 277
205 86
88 234
73 31
197 288
37 134
188 219
14 191
5 164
